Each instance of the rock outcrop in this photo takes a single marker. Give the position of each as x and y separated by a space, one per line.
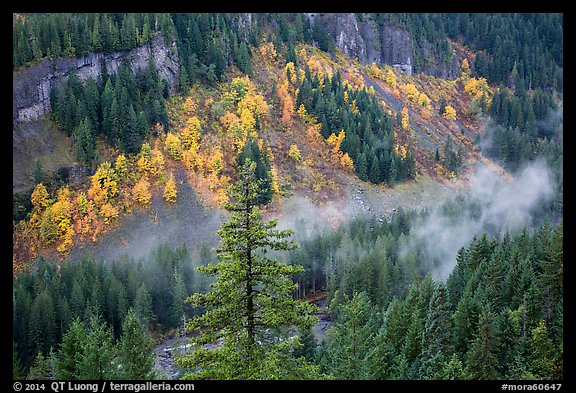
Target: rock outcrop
360 36
31 86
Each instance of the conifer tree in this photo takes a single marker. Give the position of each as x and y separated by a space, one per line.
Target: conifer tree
351 339
85 142
17 372
43 367
143 305
482 362
71 351
135 349
436 336
251 299
98 351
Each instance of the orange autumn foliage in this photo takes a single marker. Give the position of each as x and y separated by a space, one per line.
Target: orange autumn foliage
141 192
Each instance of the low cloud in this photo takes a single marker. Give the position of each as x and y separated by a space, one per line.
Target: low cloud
491 205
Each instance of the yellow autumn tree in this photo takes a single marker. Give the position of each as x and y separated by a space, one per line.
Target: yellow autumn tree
354 107
465 67
222 197
303 114
39 198
476 87
173 145
82 202
334 141
108 212
268 52
190 134
255 103
449 113
103 184
375 71
190 157
290 72
141 192
347 163
391 78
215 162
57 220
405 118
411 91
294 153
121 165
424 101
188 107
170 191
156 162
144 156
247 120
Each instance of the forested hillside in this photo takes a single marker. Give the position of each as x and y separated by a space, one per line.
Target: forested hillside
423 154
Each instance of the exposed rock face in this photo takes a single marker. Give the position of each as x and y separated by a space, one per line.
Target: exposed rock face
359 36
31 87
244 25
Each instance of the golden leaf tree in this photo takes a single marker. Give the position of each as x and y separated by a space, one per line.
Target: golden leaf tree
391 78
405 118
449 113
294 153
173 145
141 192
170 191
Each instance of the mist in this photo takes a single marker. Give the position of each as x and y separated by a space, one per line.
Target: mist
490 205
188 222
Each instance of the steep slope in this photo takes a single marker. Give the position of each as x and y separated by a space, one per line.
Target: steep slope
121 209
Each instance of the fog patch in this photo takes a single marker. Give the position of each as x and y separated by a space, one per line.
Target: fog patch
491 205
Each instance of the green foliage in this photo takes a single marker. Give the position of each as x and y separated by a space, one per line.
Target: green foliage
429 331
350 339
369 137
436 346
452 158
43 367
482 362
85 142
136 349
143 305
127 106
52 35
17 372
71 350
98 351
243 334
252 152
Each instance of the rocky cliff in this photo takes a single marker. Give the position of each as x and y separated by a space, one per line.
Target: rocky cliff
32 85
361 37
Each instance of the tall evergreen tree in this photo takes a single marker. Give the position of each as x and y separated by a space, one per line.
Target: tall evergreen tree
482 362
178 292
17 371
143 305
436 336
135 349
71 351
98 351
351 339
85 142
251 298
43 367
